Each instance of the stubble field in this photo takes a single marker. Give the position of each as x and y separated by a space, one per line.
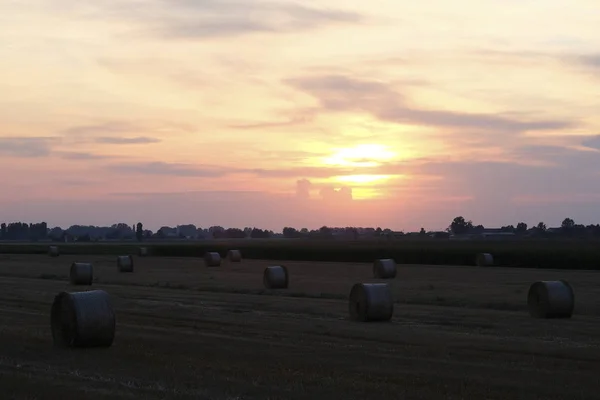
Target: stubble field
185 331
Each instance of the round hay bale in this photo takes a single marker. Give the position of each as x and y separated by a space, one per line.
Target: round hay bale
276 277
384 269
212 259
83 319
53 251
484 260
551 299
81 273
371 302
143 251
234 255
125 263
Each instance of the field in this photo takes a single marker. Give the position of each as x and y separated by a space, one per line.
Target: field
528 253
185 331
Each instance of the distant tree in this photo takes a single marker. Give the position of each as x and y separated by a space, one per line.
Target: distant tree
259 234
508 228
289 232
351 232
84 238
234 233
567 225
3 231
422 232
541 226
477 229
521 227
326 231
460 226
139 231
217 232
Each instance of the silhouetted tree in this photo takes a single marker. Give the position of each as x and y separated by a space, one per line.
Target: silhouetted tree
289 232
567 225
326 231
460 226
521 227
139 232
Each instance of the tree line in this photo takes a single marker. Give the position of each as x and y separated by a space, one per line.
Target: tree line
568 227
20 231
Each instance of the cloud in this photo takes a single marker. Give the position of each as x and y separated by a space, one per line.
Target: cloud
343 93
288 155
297 118
205 19
208 19
212 171
109 130
171 169
27 147
330 194
593 142
493 182
75 155
303 189
119 132
213 195
102 129
131 140
75 183
592 60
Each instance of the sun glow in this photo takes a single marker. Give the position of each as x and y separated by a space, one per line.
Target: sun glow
367 193
362 178
364 155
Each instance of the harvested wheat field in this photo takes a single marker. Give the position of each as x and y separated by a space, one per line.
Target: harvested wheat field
187 331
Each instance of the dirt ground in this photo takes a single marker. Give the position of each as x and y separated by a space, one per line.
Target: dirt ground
185 331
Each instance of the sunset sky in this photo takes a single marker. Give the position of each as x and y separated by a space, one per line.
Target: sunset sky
287 113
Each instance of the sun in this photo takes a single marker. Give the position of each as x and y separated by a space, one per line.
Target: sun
363 155
364 179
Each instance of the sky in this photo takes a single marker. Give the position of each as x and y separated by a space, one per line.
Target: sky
300 113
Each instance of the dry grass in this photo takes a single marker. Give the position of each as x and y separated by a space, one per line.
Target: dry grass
185 331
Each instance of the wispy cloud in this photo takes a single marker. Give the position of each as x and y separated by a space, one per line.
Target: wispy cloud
103 128
347 94
170 169
27 147
216 18
188 19
288 156
119 132
123 140
211 171
592 60
79 155
593 142
295 118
